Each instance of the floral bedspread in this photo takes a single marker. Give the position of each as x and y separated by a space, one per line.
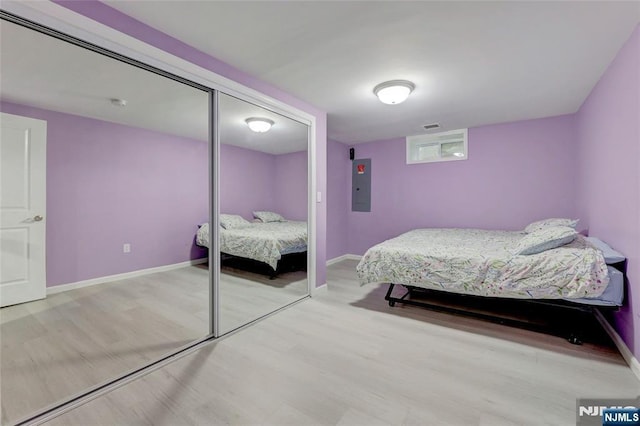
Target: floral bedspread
480 262
264 242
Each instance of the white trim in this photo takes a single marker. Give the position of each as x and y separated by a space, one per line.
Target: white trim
312 209
214 216
133 274
343 257
622 347
321 289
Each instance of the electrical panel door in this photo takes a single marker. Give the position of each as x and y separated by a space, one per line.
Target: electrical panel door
361 185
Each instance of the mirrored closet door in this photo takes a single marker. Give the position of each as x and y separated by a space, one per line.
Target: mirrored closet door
263 203
122 188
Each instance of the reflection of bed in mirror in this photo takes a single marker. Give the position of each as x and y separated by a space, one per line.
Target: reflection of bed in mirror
263 177
272 247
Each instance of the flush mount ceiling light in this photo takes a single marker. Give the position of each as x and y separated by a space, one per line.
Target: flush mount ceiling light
259 125
394 91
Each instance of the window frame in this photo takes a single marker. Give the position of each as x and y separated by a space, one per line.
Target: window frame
414 142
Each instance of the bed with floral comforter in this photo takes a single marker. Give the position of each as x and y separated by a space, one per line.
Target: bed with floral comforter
264 242
481 262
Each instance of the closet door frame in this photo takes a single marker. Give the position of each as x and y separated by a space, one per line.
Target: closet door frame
90 34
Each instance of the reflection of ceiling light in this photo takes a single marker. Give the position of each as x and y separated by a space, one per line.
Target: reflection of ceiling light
394 92
458 154
118 102
259 125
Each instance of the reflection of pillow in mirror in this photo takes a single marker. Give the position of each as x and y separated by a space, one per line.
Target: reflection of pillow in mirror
535 226
233 221
545 239
202 236
268 217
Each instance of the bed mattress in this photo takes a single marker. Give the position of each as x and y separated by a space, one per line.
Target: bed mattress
613 295
264 242
481 262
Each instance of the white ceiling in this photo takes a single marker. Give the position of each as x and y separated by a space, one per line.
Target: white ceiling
286 135
473 63
44 72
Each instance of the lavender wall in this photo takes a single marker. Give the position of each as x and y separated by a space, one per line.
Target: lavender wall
338 198
608 126
516 173
106 15
109 184
291 188
246 181
252 180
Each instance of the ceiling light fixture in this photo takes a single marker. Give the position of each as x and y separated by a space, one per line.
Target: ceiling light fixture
394 91
259 125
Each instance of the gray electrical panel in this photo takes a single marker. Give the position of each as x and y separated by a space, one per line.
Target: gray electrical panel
361 185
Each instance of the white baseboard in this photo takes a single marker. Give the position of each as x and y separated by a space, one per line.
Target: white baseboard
101 280
622 347
343 257
323 288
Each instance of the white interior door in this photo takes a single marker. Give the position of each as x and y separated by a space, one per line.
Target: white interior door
22 209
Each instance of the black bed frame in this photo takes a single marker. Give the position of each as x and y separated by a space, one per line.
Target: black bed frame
576 323
287 263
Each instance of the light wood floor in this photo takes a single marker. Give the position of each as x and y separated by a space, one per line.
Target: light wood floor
246 296
345 358
57 347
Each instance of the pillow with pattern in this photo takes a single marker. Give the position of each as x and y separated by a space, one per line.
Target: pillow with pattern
544 239
540 224
233 221
268 217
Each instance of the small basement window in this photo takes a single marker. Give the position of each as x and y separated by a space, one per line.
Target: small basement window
444 146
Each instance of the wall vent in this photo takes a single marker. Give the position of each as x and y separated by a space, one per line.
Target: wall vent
431 126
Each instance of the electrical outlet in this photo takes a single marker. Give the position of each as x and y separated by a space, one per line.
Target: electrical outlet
126 248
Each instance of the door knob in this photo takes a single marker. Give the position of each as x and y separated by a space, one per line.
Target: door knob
37 218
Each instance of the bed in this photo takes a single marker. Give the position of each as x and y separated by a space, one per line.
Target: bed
269 243
482 263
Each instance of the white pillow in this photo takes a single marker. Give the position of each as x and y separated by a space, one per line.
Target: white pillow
610 255
233 221
268 217
571 223
544 239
